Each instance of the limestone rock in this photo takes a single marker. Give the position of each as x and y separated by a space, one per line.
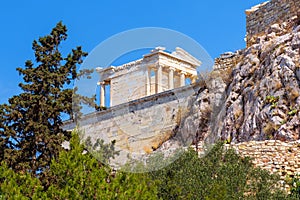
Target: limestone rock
263 99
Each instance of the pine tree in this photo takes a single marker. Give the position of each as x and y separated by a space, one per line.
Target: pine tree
30 124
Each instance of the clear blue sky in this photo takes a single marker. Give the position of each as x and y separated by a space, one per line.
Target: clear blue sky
219 26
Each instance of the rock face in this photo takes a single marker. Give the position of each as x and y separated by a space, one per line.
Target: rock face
262 99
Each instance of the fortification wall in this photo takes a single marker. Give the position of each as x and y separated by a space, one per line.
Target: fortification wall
139 126
262 16
227 60
274 156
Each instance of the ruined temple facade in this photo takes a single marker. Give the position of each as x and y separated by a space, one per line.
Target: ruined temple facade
148 98
156 72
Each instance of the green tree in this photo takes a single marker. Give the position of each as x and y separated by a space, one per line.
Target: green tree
18 185
221 174
30 124
76 175
295 186
81 176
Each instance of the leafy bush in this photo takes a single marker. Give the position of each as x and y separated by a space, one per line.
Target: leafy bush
272 100
76 176
219 175
81 176
295 187
18 185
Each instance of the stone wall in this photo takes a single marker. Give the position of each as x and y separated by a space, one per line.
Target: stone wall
225 63
139 126
275 156
262 16
128 87
227 60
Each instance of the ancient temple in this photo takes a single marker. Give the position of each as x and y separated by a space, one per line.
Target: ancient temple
148 98
156 72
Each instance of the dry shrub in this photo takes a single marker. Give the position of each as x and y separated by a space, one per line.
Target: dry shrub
278 85
227 75
294 94
270 129
237 114
147 149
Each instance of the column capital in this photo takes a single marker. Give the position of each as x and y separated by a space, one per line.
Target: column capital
183 72
194 76
171 68
101 83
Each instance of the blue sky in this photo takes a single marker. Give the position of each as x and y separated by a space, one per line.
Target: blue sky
219 26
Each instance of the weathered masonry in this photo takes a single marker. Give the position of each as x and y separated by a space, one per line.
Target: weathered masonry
262 16
156 72
258 19
139 126
148 99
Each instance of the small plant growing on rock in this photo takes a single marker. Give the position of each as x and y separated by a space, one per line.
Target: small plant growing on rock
272 100
228 140
292 111
227 75
282 122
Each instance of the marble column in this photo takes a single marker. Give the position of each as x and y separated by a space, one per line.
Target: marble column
148 82
102 94
158 79
182 79
171 78
110 95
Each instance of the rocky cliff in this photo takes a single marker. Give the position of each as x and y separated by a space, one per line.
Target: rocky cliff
262 91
